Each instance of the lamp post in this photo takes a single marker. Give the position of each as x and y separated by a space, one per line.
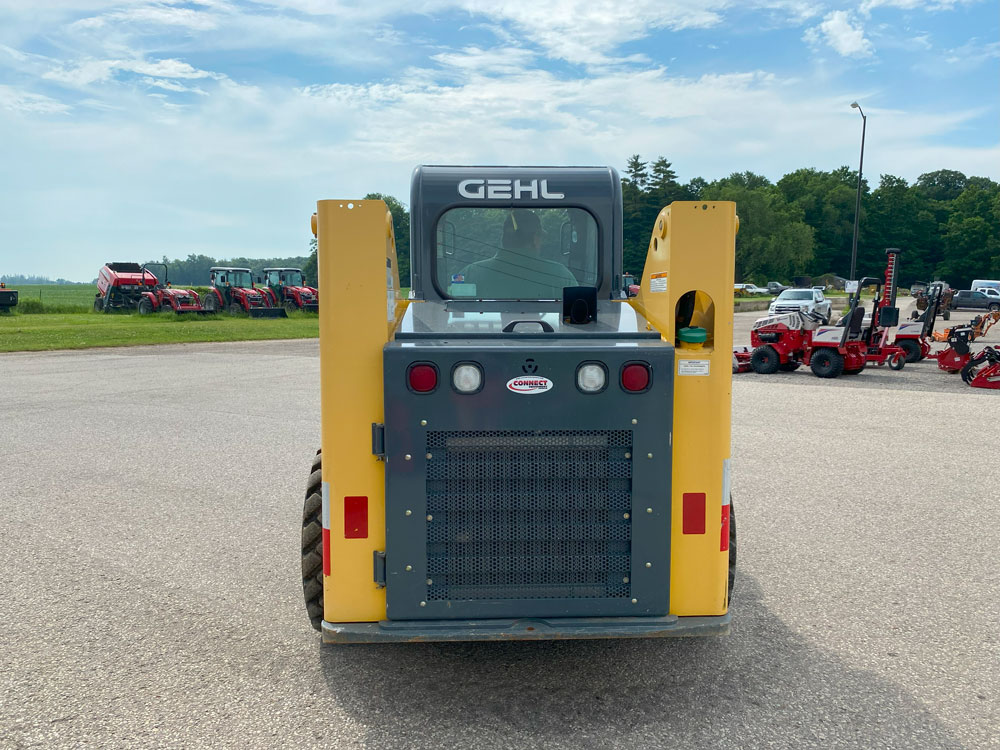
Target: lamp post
857 201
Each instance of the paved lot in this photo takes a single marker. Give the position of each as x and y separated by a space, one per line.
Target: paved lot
150 505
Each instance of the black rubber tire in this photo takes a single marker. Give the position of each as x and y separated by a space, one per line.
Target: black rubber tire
235 309
210 303
99 305
290 306
789 366
732 548
145 307
946 315
994 307
312 544
911 348
827 363
765 360
897 363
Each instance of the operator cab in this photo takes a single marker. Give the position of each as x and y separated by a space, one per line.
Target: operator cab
236 277
498 248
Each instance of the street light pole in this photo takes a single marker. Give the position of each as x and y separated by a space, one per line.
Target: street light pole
857 201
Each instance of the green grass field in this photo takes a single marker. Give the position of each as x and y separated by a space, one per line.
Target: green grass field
55 298
74 331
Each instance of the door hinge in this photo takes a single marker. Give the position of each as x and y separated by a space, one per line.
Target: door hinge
378 441
379 569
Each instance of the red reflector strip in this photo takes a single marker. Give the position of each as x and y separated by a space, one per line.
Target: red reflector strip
356 517
724 540
694 513
326 552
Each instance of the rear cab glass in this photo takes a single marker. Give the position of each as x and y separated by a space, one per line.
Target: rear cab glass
515 253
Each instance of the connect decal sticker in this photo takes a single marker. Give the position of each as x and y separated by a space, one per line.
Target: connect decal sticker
529 385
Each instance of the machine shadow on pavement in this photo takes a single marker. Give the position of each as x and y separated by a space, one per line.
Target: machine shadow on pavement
761 686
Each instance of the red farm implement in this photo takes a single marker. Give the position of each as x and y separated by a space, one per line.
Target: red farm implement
129 286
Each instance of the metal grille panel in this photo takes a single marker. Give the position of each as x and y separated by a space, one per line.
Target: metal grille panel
529 514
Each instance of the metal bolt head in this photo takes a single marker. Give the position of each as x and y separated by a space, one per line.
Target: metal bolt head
409 512
625 579
649 565
429 456
429 582
649 455
430 517
408 457
409 568
628 455
649 510
423 604
635 601
626 515
635 421
423 422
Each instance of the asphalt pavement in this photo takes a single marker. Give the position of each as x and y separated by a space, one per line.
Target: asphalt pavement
150 504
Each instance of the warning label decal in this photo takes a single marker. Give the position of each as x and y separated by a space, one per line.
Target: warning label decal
693 366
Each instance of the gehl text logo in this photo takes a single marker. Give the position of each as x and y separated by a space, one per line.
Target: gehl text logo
507 189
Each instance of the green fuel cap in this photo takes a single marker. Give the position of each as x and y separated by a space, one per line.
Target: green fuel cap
693 335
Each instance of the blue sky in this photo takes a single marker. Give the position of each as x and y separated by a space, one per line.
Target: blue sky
133 129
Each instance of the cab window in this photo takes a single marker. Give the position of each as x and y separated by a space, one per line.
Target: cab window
515 253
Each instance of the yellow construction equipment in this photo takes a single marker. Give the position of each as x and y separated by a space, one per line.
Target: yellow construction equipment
520 449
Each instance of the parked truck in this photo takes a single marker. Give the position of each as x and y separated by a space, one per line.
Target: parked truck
966 299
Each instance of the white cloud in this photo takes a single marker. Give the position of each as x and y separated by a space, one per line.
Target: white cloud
929 5
96 71
836 30
16 100
153 14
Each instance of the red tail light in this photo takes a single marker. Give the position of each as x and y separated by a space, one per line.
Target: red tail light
694 513
635 377
423 378
356 517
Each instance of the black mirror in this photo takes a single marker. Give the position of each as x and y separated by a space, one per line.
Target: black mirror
579 304
888 317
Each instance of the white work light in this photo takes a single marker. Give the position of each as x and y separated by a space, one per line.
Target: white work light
591 378
467 378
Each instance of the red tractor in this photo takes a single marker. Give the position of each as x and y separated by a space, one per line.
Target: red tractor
915 335
129 286
884 317
287 287
784 342
233 290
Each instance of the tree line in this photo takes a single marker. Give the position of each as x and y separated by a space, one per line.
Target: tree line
19 278
947 224
194 270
